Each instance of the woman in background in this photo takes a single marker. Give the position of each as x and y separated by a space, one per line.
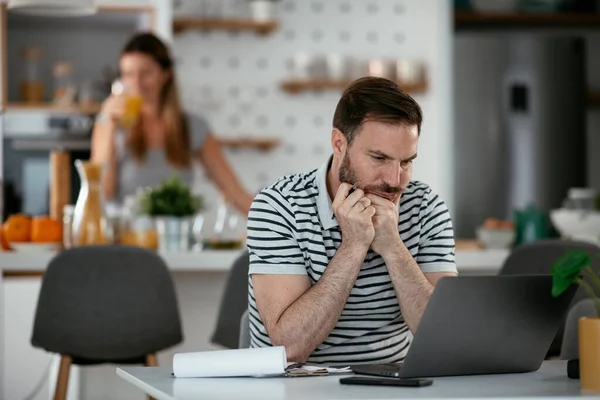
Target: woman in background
163 140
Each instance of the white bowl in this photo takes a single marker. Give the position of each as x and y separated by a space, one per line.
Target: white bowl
495 238
576 224
29 247
494 5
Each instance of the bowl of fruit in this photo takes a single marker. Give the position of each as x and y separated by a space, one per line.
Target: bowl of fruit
496 234
23 233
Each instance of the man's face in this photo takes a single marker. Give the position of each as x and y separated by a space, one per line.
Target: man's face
380 159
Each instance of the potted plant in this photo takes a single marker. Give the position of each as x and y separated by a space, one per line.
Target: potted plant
173 207
262 10
575 267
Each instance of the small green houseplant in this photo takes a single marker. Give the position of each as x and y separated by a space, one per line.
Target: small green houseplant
171 198
571 268
173 207
574 267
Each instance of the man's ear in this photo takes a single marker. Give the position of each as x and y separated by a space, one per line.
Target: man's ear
338 142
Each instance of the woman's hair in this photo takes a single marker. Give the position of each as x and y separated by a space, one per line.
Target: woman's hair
177 137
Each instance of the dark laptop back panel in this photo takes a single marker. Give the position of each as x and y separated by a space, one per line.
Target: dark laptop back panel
486 325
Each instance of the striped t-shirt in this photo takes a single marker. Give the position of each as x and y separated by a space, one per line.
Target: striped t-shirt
292 230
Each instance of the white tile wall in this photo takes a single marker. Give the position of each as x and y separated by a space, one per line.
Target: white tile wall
234 80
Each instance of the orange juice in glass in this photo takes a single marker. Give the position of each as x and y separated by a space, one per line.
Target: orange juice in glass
132 104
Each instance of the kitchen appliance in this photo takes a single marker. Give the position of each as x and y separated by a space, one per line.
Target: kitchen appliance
53 8
29 136
520 125
544 111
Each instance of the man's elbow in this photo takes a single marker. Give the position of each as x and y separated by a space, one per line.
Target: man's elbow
294 351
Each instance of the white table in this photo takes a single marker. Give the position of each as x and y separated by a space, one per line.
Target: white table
550 381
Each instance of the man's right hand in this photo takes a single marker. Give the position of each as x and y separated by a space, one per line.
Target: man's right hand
354 214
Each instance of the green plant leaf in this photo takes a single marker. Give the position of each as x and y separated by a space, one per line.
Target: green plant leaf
171 198
567 269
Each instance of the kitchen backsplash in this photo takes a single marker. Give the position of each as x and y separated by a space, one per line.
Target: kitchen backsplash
234 80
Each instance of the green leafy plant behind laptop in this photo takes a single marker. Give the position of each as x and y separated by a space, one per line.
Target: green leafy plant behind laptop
571 268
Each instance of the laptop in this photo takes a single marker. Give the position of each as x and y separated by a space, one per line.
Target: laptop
482 325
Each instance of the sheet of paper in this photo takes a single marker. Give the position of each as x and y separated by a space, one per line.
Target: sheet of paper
262 361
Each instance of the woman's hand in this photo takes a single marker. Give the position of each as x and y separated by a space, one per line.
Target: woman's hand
113 109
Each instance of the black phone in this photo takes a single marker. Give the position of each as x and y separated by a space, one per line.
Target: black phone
359 380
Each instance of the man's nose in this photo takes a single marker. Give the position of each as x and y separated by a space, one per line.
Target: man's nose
393 175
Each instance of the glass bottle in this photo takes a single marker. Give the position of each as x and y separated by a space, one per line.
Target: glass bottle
68 211
31 86
89 220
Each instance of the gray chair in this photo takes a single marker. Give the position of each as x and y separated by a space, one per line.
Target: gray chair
105 304
538 258
570 343
244 331
234 302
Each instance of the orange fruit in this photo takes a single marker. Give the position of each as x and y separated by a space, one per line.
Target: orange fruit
46 230
3 242
17 228
491 223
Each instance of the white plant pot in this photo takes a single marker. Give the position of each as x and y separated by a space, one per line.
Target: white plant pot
262 10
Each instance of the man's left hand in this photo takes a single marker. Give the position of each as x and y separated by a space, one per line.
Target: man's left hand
385 222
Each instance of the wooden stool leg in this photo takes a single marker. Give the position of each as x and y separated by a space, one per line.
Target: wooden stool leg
151 361
62 382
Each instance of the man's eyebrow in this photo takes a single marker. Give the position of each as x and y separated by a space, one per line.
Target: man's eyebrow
380 153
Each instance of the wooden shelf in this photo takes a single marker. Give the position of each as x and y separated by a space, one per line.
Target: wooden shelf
264 144
262 28
467 20
593 100
298 86
76 109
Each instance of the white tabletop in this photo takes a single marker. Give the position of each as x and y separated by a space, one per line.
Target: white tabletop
550 381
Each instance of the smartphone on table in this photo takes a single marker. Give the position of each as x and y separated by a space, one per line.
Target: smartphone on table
360 380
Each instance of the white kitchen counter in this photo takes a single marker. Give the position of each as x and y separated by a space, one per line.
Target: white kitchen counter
467 261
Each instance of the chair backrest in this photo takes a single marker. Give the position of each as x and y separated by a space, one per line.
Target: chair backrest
570 344
234 302
244 331
107 303
538 258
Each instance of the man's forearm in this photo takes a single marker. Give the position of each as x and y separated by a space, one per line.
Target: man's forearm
307 322
412 288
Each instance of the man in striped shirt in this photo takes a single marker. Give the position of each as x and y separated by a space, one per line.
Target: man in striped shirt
340 276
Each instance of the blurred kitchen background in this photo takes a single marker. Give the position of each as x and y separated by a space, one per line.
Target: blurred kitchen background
509 102
510 91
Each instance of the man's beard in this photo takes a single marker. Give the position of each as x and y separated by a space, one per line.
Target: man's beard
348 175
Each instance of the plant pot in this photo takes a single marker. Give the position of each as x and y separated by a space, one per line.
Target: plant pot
262 10
589 353
173 233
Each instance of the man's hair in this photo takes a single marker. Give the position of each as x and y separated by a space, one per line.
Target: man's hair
374 99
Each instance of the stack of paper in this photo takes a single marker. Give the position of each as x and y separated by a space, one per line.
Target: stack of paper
241 362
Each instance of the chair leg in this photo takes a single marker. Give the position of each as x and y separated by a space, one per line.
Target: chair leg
151 361
62 382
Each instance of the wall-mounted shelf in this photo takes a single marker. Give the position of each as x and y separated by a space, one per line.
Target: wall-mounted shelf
262 28
467 20
263 144
298 86
93 108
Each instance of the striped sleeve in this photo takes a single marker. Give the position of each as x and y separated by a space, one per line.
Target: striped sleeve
436 245
271 237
